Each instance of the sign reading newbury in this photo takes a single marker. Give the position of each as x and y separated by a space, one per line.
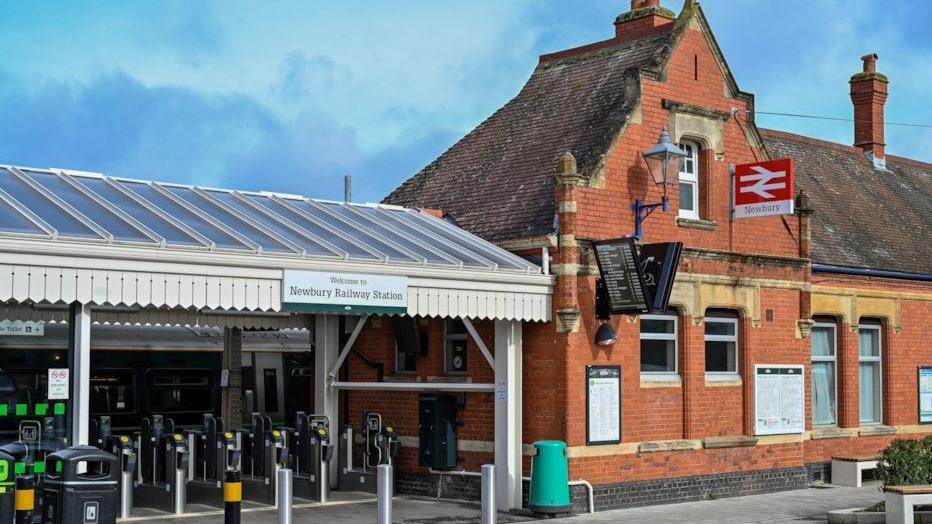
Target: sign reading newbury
764 188
344 292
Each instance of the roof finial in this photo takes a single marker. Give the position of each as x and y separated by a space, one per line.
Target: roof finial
567 164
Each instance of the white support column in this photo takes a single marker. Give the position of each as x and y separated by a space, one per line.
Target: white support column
79 370
327 399
508 416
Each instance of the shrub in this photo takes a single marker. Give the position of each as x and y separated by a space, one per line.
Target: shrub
906 462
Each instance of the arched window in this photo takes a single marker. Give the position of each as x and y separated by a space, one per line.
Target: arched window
689 181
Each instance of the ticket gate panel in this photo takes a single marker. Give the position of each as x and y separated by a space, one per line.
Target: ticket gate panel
314 443
168 492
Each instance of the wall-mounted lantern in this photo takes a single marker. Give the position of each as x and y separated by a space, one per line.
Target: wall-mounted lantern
664 161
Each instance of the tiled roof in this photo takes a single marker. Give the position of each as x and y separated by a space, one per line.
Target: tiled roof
497 182
863 217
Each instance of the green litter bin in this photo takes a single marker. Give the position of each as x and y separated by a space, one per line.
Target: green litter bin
550 479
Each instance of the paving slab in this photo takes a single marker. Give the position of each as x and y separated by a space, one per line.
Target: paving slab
799 506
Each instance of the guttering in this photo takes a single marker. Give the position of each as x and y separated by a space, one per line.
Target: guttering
845 270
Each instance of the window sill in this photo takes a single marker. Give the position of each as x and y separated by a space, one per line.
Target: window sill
723 380
697 223
403 377
827 432
450 379
661 380
875 429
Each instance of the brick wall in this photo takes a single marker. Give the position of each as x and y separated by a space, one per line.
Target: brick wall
761 253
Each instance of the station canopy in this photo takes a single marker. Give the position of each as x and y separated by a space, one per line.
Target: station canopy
169 245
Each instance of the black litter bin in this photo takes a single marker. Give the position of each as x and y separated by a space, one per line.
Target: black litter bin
88 497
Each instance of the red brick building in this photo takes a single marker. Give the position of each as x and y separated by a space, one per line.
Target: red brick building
842 288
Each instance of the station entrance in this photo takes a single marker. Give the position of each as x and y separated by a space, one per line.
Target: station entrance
187 361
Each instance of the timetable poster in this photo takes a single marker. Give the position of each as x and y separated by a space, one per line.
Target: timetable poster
779 399
925 395
603 405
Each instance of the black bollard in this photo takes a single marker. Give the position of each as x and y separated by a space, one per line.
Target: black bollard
232 496
25 499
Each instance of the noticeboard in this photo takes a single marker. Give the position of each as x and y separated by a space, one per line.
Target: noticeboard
779 400
603 405
659 263
620 267
925 395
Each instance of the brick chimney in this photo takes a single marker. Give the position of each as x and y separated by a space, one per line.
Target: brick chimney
643 19
869 94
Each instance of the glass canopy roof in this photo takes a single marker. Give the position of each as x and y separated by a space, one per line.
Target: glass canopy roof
56 204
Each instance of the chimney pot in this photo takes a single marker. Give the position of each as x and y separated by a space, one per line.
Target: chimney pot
870 62
639 4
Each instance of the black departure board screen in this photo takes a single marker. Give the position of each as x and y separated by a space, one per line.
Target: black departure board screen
620 267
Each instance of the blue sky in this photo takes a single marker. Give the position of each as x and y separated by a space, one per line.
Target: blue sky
290 96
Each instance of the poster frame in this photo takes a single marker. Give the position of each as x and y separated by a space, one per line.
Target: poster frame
589 369
919 394
802 374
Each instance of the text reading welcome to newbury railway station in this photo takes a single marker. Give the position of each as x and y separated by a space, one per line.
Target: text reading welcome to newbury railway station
345 292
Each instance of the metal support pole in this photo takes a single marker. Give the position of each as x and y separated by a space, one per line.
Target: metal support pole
232 496
385 490
25 499
128 465
181 487
489 510
284 496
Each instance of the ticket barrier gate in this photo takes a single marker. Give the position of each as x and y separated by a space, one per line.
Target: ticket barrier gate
162 475
220 452
124 448
19 453
7 481
380 446
313 453
266 452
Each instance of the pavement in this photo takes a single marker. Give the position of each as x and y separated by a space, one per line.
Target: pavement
799 507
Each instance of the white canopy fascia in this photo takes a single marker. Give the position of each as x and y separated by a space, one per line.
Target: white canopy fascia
64 272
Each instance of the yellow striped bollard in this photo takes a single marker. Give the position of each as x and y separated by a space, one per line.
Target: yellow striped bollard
25 499
232 496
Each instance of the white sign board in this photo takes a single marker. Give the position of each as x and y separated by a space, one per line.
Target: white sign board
779 400
22 329
344 292
603 405
58 384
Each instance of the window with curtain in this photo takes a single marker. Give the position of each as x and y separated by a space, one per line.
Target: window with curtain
689 181
824 404
721 344
869 369
658 344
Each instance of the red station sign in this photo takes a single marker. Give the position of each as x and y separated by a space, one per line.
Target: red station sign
764 188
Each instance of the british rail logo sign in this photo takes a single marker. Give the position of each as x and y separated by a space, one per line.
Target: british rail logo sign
764 188
344 292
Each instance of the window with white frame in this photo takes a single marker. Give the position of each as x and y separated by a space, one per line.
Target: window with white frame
658 345
689 181
721 344
824 373
869 373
